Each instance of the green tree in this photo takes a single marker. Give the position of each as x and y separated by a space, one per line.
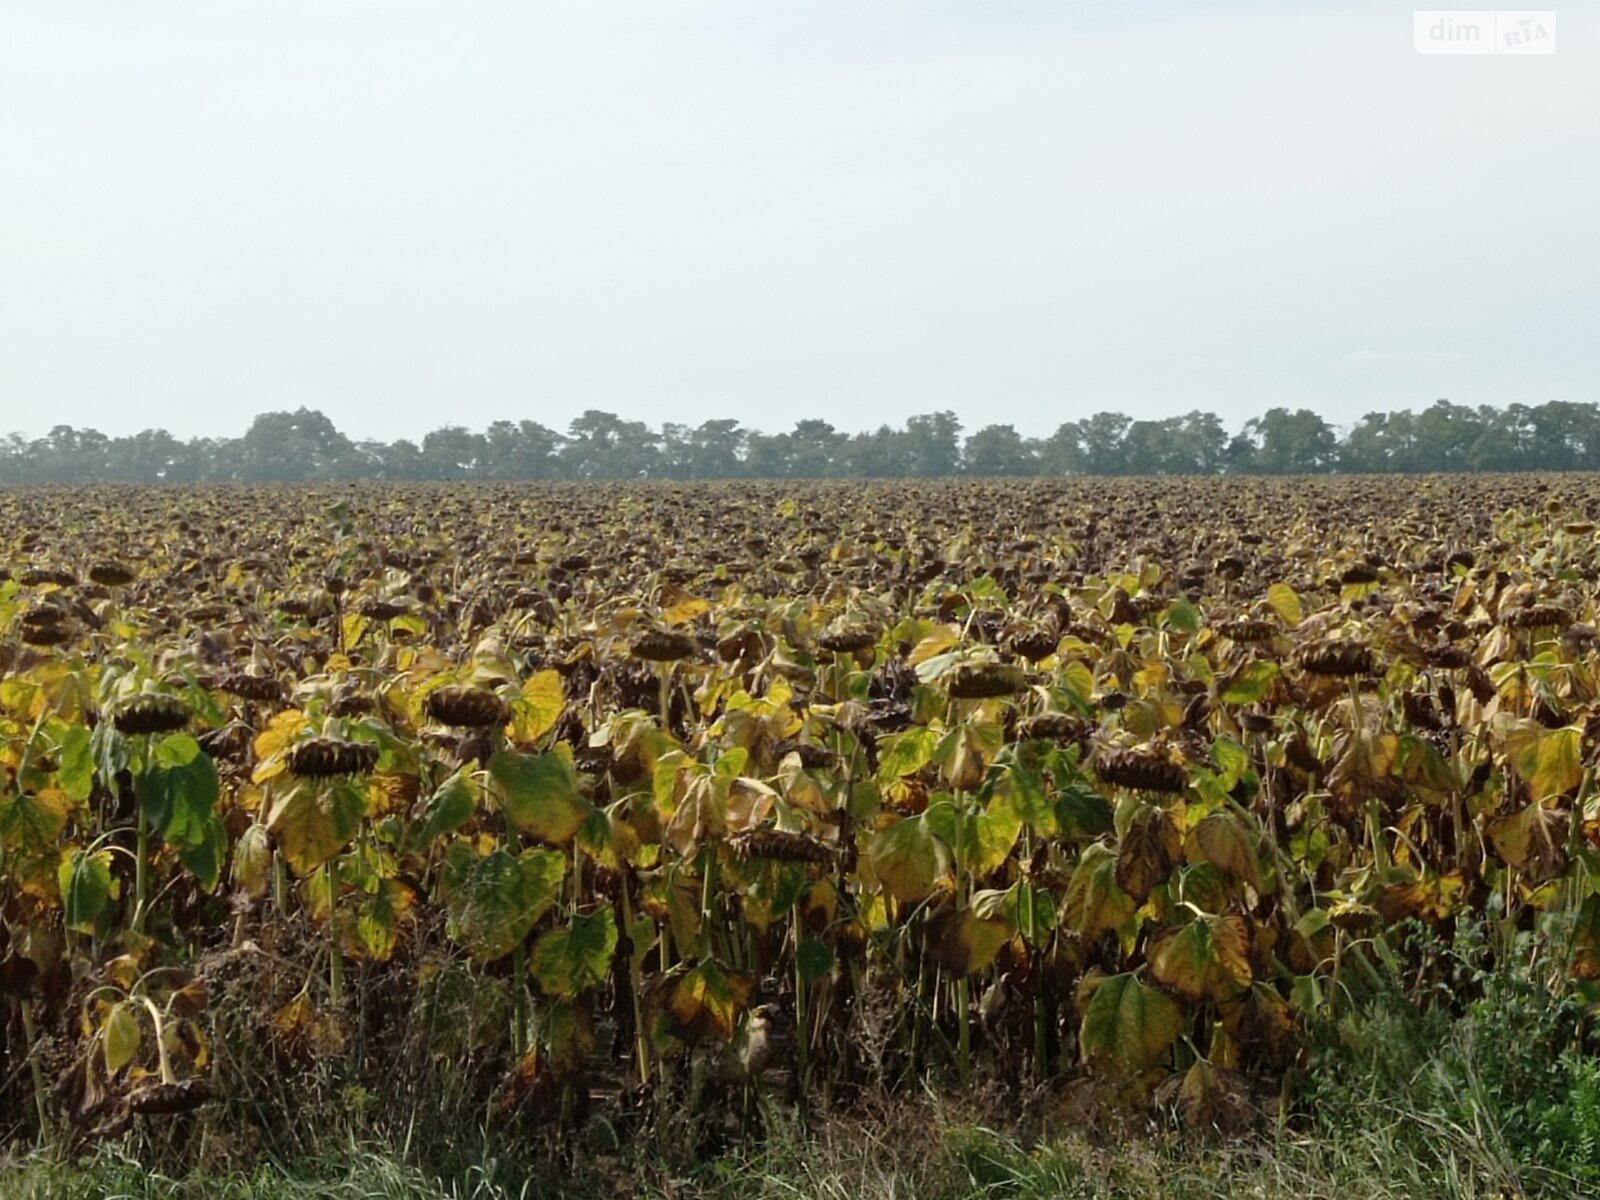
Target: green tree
874 455
931 445
600 445
1368 448
999 450
292 447
814 450
1291 443
1204 442
452 452
1445 434
1095 445
520 450
718 447
1507 442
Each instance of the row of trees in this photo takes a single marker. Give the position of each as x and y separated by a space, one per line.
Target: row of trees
305 446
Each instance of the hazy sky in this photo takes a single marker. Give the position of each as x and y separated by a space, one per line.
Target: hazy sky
413 212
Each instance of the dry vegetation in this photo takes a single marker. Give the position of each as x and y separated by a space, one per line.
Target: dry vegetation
673 810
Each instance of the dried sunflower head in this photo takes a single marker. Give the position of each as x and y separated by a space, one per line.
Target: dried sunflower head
1255 722
1248 632
1537 616
1447 657
262 689
1579 638
38 576
151 713
325 757
1034 643
466 707
847 639
983 681
350 702
779 845
662 645
1358 574
1055 727
381 610
165 1099
111 574
1140 770
46 635
1341 659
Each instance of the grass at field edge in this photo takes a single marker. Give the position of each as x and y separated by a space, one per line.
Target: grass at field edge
928 1157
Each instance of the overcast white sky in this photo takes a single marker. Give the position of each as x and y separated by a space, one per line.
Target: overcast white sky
413 212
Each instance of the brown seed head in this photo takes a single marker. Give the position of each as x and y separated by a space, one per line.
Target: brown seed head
381 610
466 707
661 645
262 689
1055 727
983 681
1141 770
847 639
166 1099
1358 574
111 574
1033 643
779 845
1537 616
151 713
1343 660
1248 632
325 757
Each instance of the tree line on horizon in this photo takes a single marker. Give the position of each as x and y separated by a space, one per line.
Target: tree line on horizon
304 446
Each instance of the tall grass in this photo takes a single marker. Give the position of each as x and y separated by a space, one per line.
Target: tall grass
1470 1077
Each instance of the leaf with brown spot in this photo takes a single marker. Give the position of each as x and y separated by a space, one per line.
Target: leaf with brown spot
706 1001
1533 840
1147 851
1094 902
1433 898
962 943
1128 1025
1209 1099
1207 959
1549 760
1224 842
909 860
541 793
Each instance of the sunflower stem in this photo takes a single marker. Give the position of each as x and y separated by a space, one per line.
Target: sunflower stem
163 1057
280 884
802 1019
519 1008
335 951
30 1033
964 1027
141 878
641 1039
708 884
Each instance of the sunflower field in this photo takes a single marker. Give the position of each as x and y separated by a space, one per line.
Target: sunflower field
655 802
